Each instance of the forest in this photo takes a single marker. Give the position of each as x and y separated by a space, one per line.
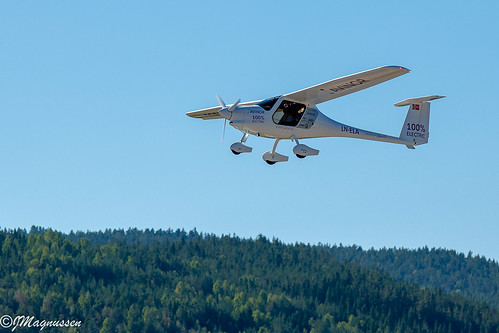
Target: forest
177 281
472 276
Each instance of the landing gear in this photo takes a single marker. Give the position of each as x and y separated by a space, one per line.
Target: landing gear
301 150
237 147
271 157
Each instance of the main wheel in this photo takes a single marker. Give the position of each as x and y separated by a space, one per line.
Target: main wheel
270 162
300 156
235 152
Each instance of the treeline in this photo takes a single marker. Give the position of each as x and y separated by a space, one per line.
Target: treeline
173 281
472 276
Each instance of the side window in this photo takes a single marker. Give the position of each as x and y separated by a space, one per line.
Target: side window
288 113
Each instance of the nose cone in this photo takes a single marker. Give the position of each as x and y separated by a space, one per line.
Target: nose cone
224 112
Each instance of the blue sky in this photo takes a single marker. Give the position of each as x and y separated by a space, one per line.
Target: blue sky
93 132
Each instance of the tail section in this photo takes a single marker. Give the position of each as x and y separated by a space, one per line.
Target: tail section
417 122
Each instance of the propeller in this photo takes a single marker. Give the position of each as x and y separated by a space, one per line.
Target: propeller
223 132
221 101
234 106
225 112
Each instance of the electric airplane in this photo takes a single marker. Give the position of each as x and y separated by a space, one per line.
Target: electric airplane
295 116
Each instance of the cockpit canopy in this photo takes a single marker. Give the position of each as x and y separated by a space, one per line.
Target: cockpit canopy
289 113
268 104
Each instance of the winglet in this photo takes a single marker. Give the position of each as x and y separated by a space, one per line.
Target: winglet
417 100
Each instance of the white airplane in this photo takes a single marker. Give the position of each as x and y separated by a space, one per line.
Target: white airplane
295 116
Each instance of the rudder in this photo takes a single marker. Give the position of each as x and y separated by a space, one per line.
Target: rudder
417 122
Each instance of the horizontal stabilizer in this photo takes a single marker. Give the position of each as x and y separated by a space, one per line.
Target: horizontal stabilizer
418 100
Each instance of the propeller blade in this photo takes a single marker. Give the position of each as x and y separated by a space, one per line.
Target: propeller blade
223 132
234 106
220 100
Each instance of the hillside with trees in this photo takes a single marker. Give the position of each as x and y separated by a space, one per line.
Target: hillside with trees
472 276
173 281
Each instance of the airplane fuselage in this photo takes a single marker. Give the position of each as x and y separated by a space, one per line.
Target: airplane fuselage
255 120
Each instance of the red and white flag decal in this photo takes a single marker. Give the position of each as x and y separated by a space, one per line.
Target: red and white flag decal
415 106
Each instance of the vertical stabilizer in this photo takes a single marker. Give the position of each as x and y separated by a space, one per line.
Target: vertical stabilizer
417 122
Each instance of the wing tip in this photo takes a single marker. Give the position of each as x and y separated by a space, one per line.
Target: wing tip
407 70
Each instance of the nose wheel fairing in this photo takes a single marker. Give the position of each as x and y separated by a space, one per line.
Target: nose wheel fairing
238 147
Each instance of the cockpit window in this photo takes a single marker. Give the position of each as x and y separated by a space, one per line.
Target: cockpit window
289 113
268 103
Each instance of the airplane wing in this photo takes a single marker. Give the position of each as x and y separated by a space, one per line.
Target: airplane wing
212 113
209 113
325 91
346 85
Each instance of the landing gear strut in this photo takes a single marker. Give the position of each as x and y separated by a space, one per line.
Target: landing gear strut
301 150
271 157
237 147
